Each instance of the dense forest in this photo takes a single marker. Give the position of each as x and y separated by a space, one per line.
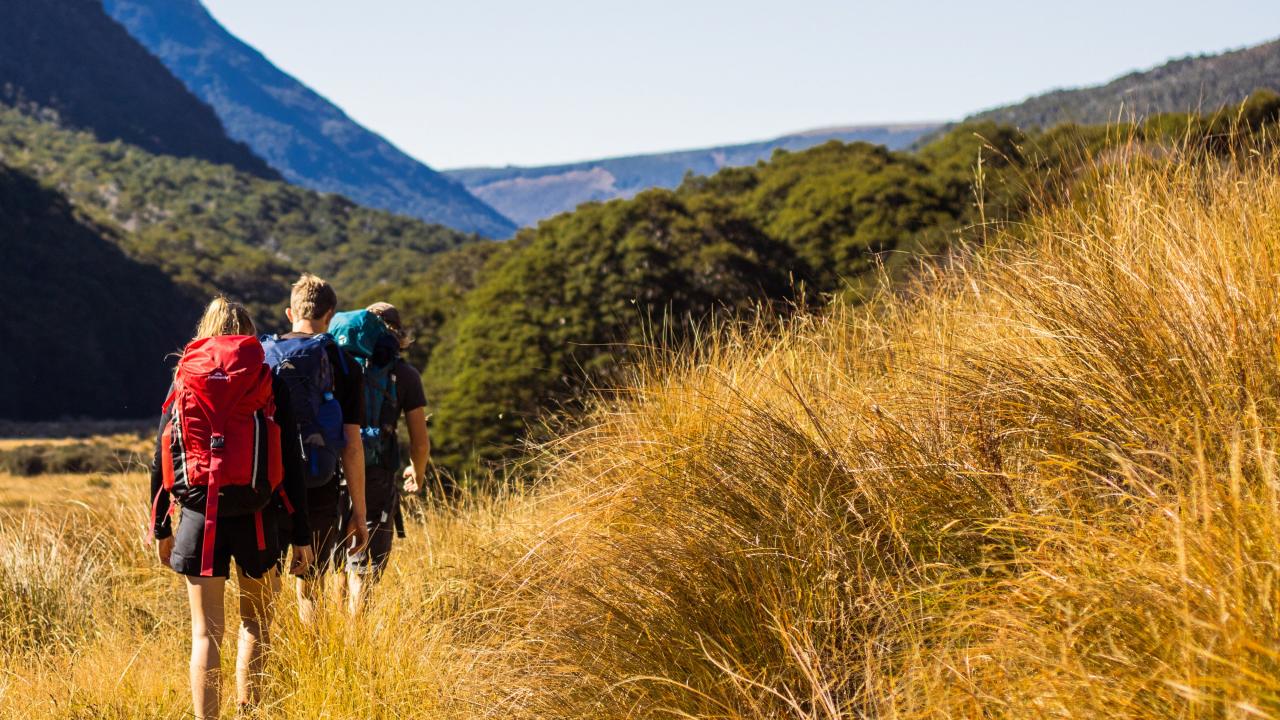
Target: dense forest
531 325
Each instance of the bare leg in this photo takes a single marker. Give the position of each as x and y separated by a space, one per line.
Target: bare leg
256 597
356 590
369 565
310 592
205 597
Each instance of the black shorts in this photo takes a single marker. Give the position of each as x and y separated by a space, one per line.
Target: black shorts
382 501
326 507
235 538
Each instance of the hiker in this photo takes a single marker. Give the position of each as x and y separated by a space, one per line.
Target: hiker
327 389
393 388
227 454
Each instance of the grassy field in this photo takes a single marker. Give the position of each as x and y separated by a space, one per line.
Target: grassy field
1041 484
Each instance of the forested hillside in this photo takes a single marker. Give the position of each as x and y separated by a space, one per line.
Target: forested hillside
70 57
213 229
85 329
1202 83
312 142
108 252
530 194
562 308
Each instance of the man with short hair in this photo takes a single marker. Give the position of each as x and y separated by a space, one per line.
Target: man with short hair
382 482
312 304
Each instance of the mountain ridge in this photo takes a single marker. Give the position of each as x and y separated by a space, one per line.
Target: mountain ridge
1191 83
308 139
528 194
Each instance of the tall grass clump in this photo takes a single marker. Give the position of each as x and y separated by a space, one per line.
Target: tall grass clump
47 587
1040 484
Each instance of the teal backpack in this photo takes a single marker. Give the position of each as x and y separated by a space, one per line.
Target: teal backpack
358 332
364 335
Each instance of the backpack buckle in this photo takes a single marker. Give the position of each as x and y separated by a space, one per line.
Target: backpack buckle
217 442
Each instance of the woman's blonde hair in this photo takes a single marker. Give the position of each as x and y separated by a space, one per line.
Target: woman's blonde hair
224 317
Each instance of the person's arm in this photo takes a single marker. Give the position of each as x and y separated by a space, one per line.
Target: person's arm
158 500
413 398
350 386
419 449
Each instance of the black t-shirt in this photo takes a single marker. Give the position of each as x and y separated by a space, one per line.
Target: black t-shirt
348 387
409 391
410 396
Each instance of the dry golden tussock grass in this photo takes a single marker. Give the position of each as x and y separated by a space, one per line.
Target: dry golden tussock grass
1043 484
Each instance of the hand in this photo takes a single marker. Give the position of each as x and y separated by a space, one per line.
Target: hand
303 557
357 533
410 480
164 549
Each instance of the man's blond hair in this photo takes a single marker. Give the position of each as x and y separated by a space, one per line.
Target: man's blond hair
312 298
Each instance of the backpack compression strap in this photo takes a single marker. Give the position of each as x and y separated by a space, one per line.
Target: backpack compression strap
262 536
155 509
210 528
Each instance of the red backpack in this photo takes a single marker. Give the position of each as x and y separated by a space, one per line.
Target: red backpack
221 435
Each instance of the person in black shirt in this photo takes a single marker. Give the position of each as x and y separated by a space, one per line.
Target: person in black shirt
250 540
312 304
383 485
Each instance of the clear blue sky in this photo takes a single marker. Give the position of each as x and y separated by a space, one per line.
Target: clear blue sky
493 82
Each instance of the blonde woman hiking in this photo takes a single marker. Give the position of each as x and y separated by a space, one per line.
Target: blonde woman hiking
227 453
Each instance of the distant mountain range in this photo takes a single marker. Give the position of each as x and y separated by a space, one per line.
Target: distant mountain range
529 194
1196 83
68 57
1199 83
308 139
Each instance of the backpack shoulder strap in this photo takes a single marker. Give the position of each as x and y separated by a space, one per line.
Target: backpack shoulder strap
329 342
393 386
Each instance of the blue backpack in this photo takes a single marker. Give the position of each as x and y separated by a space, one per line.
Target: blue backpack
364 335
303 365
